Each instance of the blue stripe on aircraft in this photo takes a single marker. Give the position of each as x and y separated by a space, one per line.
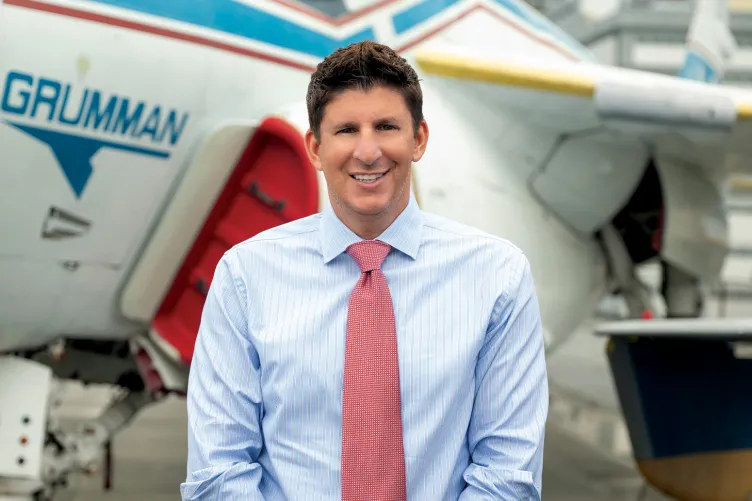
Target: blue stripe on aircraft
244 20
418 13
423 11
541 23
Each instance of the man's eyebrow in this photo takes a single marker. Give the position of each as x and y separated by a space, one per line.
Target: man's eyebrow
343 125
387 119
351 124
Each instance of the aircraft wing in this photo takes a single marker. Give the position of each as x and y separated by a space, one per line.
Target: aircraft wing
712 329
706 124
610 125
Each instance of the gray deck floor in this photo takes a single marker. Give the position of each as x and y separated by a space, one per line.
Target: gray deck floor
149 461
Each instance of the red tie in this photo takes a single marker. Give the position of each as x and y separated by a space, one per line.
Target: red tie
373 457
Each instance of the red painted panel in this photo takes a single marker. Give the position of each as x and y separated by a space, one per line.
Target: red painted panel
273 183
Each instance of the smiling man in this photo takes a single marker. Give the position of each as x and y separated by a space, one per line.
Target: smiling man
373 351
365 144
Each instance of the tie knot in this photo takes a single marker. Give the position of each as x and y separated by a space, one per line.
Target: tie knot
369 254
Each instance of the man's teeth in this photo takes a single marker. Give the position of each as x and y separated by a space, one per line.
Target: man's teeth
370 177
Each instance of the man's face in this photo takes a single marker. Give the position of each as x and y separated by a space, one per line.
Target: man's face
366 151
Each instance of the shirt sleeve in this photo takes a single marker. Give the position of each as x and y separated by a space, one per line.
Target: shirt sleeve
507 427
224 398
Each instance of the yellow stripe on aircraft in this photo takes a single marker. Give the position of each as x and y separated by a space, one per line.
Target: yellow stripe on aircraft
494 72
744 111
740 5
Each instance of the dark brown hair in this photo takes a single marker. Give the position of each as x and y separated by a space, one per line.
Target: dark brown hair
362 65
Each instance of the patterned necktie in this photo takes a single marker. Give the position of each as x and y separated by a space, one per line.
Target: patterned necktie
373 456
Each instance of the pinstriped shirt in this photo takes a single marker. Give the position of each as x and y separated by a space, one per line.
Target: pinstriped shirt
266 381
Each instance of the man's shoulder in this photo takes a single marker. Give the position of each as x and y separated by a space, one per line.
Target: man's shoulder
445 230
287 235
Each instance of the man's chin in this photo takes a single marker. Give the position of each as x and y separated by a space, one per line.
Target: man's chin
369 205
369 209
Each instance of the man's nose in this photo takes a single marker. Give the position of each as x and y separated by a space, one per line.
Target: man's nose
367 150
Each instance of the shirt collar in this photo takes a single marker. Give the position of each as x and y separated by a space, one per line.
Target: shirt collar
404 234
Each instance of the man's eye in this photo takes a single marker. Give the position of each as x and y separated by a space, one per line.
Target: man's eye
346 130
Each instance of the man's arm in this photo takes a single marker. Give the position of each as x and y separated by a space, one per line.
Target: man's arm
224 398
507 427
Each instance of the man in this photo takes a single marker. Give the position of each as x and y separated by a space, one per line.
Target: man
371 352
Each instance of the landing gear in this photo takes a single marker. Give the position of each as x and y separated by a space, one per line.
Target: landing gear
637 294
38 457
682 293
25 388
83 449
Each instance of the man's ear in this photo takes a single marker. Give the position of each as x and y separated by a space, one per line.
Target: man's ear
312 149
421 140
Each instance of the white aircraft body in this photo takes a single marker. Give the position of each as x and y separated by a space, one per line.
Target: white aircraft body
142 139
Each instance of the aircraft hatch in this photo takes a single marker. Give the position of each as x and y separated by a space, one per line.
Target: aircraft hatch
267 181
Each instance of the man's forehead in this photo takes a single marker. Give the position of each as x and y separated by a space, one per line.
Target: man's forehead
382 103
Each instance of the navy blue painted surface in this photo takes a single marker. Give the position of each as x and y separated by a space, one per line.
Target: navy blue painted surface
692 396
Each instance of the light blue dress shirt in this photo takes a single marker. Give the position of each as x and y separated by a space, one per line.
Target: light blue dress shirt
265 390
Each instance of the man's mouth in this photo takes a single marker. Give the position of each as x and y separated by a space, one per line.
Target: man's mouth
368 178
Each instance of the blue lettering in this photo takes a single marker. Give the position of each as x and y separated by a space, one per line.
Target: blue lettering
65 120
175 130
152 124
126 122
18 109
41 98
95 111
46 99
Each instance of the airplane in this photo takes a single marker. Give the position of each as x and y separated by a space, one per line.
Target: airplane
141 140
